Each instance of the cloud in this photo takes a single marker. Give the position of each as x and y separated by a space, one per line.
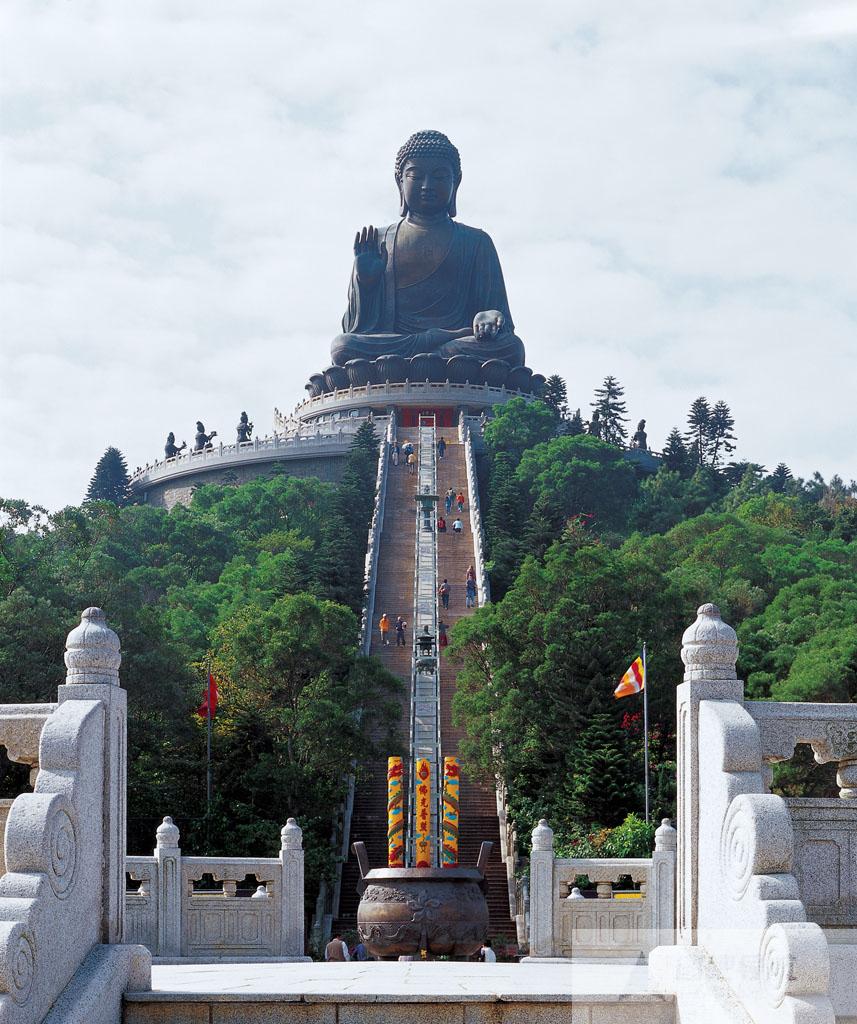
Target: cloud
670 191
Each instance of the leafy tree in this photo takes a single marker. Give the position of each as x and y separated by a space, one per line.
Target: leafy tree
675 454
580 475
610 405
555 396
110 481
518 425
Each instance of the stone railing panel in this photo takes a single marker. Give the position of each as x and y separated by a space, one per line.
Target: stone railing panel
20 731
622 926
825 859
174 917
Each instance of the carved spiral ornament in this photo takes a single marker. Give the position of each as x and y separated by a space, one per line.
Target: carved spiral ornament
62 866
737 849
774 965
17 963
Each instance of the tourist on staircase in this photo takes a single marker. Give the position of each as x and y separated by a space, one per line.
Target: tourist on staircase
459 500
450 497
384 629
401 626
457 526
470 593
444 590
441 447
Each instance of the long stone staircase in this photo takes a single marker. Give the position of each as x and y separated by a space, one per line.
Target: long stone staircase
394 595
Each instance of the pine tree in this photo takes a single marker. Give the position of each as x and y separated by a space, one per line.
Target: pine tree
698 431
780 479
600 790
555 396
609 403
574 425
721 440
366 438
110 481
543 527
675 453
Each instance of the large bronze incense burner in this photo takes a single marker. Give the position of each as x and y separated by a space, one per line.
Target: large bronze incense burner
405 910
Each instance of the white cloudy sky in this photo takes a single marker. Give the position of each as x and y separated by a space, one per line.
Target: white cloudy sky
671 188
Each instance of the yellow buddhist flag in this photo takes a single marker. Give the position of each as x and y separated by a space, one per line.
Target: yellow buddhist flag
634 680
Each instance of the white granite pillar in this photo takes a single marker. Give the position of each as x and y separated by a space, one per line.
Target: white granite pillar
168 864
709 652
541 891
92 661
662 892
292 889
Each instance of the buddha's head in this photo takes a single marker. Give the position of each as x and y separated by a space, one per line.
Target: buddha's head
428 173
171 438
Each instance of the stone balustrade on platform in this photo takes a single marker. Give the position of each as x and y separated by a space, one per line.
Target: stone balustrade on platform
615 925
176 913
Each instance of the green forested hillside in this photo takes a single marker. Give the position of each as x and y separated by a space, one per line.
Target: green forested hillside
264 583
589 558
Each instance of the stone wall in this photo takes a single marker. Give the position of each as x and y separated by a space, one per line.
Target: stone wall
167 493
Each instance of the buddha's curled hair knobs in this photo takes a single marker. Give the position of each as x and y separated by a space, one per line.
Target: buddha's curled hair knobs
428 143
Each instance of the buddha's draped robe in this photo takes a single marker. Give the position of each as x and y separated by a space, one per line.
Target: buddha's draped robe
434 314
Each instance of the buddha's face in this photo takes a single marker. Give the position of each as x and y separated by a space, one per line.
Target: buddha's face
428 185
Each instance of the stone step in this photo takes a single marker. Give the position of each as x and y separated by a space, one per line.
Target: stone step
399 993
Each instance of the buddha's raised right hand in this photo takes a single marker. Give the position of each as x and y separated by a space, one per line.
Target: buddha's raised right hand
370 257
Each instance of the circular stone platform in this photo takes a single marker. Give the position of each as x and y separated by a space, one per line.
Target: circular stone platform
314 439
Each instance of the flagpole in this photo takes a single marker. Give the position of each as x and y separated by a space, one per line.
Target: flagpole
646 731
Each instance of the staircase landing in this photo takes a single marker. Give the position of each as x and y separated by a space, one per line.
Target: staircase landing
394 993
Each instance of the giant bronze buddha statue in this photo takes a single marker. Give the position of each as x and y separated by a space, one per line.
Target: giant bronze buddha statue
427 284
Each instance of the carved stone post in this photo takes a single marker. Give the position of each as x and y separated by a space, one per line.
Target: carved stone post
292 889
709 652
662 889
168 860
541 891
92 661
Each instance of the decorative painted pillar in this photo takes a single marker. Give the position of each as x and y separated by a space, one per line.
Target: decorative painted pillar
168 860
92 659
395 813
292 889
662 891
541 891
709 652
422 817
451 787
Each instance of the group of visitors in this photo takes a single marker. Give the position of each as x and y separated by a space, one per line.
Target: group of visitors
470 591
404 453
452 499
384 628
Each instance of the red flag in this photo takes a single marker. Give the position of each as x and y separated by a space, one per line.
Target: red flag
208 708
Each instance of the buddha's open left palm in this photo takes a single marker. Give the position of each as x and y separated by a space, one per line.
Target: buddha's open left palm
370 257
